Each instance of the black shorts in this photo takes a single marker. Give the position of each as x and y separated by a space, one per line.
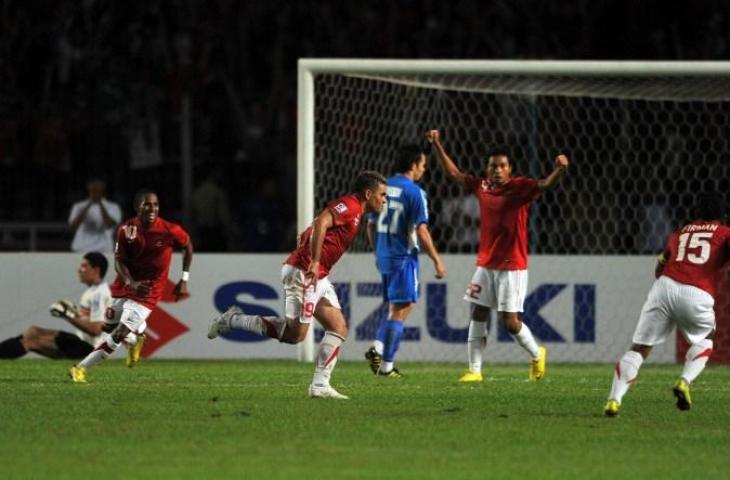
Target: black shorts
72 346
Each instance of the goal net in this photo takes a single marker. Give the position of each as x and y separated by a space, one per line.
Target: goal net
645 139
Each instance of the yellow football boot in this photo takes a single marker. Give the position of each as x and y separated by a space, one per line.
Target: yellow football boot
134 353
471 377
611 409
681 393
77 374
537 367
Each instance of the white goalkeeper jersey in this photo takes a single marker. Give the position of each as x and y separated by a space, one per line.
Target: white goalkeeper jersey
94 302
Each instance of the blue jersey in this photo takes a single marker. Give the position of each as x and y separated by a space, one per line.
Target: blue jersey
395 237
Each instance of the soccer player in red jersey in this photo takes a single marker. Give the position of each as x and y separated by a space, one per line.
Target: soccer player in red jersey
142 256
683 296
500 280
308 291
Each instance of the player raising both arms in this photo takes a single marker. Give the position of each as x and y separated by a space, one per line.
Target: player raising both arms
682 295
142 256
395 235
308 292
500 281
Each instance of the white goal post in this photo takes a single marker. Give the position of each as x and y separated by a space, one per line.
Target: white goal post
694 81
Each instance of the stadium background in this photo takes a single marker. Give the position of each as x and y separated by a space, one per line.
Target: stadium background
139 95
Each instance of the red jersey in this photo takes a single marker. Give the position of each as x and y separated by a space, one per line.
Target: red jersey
695 253
347 213
147 253
503 221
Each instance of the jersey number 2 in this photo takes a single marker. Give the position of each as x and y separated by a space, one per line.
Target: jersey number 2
694 241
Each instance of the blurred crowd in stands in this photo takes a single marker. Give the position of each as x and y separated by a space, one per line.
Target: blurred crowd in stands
94 87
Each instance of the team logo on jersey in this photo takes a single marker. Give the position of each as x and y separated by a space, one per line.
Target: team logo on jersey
159 243
356 220
130 232
340 207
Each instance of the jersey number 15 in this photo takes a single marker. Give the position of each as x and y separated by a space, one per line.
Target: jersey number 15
693 241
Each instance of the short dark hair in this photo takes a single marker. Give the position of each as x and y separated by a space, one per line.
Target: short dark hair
139 196
710 206
500 151
97 260
406 156
367 180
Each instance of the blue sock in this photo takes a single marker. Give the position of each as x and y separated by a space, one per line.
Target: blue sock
393 332
380 334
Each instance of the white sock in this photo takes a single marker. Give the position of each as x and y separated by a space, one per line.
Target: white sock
527 341
696 359
130 339
272 327
476 342
386 367
378 346
627 368
100 353
327 352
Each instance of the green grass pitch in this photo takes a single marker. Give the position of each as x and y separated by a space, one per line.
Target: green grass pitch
252 419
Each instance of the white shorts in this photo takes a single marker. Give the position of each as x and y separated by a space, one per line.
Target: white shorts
672 303
300 302
130 313
504 290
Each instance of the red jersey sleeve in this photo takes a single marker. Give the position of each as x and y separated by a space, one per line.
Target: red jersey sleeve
179 235
342 210
526 188
120 244
472 183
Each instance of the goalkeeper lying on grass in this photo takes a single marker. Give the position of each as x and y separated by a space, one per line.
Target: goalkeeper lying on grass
88 318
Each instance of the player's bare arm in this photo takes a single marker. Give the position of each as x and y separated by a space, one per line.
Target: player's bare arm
661 260
140 287
66 310
181 289
83 323
450 168
370 231
322 223
561 165
424 238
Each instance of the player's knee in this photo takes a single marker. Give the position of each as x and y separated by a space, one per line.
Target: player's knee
340 330
643 350
31 333
119 333
294 333
511 323
479 313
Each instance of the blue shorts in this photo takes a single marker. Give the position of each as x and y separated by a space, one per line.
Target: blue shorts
401 286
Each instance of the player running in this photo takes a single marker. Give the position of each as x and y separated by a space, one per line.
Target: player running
395 235
308 291
142 256
681 296
500 280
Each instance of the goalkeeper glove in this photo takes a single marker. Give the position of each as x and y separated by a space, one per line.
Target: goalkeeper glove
64 309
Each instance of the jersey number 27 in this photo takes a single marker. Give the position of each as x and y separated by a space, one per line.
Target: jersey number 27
395 209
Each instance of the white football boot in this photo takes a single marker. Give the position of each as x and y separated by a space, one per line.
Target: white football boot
326 391
222 323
